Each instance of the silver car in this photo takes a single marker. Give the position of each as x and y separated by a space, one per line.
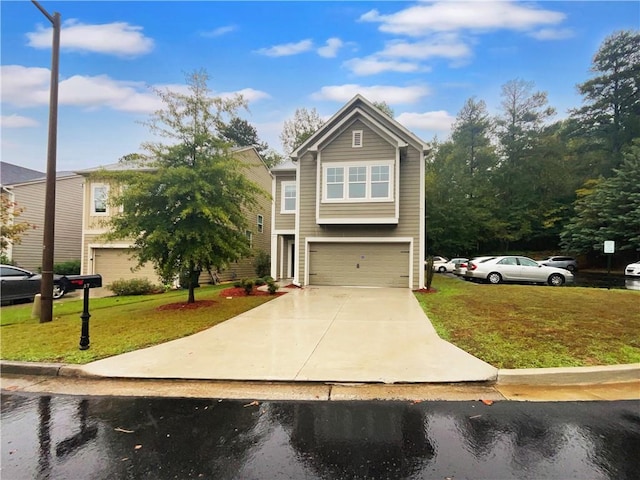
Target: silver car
516 269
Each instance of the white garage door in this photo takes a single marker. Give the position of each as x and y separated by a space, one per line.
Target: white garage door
359 264
115 263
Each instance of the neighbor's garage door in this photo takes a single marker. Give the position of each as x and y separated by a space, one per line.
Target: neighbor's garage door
359 264
116 263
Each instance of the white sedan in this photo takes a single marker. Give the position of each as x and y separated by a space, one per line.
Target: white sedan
633 269
516 269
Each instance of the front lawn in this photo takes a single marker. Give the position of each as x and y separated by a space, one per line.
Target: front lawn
523 326
117 324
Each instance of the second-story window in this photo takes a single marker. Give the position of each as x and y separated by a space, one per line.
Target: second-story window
99 195
366 181
288 197
260 223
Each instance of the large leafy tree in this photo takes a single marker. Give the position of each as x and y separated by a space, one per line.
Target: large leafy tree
521 131
183 202
608 209
460 199
296 130
610 116
241 133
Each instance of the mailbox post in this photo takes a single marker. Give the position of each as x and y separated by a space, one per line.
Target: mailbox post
85 282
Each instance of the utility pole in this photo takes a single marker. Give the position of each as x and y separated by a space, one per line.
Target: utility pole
46 287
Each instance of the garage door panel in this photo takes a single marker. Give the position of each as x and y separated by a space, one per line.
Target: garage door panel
115 263
359 264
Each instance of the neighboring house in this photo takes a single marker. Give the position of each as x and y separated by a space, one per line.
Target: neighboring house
349 209
27 188
114 260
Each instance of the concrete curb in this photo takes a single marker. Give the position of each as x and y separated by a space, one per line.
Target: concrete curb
525 376
569 376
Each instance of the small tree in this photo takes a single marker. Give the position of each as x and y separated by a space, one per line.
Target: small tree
185 210
295 131
10 230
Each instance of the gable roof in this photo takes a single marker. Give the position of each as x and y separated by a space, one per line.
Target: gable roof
11 174
360 108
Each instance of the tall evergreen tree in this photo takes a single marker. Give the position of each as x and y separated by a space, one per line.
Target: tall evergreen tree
610 117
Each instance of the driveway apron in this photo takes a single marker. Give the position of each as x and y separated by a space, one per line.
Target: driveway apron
327 334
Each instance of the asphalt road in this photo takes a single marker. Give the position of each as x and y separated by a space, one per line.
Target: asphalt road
71 437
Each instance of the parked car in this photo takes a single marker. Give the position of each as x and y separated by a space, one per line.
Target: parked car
20 284
516 269
451 264
439 264
633 269
568 263
461 268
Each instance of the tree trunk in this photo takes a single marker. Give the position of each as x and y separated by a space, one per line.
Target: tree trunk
194 275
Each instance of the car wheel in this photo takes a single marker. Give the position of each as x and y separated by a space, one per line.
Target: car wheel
556 280
441 269
58 291
494 278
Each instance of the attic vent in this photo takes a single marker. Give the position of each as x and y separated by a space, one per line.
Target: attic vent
357 138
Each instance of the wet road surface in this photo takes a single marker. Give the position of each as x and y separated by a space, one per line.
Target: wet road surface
70 437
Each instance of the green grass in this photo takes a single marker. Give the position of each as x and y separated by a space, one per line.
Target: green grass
523 326
117 325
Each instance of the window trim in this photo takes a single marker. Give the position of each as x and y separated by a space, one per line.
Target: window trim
94 187
283 198
260 223
249 235
368 182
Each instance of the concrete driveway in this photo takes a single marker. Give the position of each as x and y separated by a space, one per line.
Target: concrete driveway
328 334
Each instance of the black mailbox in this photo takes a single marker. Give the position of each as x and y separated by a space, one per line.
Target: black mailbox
78 282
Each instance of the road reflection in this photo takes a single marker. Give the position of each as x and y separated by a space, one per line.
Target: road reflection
68 437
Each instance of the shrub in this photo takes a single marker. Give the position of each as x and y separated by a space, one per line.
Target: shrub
72 267
238 283
273 287
262 263
134 286
268 278
259 282
248 286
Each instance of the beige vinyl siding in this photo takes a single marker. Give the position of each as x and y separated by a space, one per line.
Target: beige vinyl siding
256 172
409 218
284 221
374 148
359 264
68 221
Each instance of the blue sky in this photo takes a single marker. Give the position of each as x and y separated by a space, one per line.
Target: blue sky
425 59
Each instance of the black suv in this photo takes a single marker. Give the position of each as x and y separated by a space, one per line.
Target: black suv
568 263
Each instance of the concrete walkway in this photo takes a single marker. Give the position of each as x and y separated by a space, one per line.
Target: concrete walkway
319 334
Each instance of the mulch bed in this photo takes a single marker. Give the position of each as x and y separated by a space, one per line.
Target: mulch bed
239 292
187 306
425 290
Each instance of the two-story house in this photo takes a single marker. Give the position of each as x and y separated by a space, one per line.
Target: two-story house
349 209
113 260
27 188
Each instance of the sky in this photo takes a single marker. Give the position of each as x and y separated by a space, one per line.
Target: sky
423 58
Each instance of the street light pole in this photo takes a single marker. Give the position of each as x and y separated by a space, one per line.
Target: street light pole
46 288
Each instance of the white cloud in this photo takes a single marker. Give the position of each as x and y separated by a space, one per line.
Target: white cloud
17 121
218 32
445 16
439 120
375 93
29 87
287 49
372 66
249 94
118 38
444 46
552 34
330 50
